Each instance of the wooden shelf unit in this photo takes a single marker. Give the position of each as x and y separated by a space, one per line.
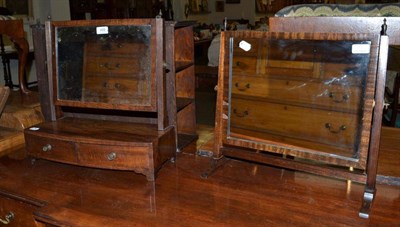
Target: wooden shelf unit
180 63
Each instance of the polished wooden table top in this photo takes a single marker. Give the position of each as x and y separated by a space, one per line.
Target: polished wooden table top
237 194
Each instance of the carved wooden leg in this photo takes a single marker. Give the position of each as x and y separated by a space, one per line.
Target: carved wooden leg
23 48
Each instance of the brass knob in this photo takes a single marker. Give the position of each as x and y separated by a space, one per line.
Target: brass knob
8 218
47 147
111 156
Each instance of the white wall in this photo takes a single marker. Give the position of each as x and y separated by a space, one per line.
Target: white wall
51 9
59 10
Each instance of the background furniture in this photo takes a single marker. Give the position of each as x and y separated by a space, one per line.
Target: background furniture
393 87
15 30
4 92
392 98
112 9
22 108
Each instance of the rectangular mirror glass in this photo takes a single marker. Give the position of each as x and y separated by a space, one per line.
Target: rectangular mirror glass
303 93
104 64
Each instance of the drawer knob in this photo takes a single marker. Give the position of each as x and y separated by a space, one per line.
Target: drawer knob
111 156
330 128
7 219
47 147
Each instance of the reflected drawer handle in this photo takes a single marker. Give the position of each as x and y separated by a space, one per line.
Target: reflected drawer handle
8 218
111 156
329 127
245 87
47 147
107 66
242 114
336 99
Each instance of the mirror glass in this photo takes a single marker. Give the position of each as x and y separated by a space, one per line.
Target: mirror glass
106 64
305 93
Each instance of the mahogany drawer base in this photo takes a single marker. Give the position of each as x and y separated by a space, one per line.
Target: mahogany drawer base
103 144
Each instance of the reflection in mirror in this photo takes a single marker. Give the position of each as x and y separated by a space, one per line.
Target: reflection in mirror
306 93
107 64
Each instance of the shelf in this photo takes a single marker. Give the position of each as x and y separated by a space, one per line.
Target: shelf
181 65
182 103
180 55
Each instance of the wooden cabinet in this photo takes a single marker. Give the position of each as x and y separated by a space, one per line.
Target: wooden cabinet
108 97
301 101
180 61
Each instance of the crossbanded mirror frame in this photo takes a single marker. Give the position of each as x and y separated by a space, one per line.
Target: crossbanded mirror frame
270 75
94 77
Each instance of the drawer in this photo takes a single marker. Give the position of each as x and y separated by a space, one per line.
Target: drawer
342 72
253 66
130 67
117 90
249 65
51 149
328 127
255 50
307 92
22 213
117 48
115 157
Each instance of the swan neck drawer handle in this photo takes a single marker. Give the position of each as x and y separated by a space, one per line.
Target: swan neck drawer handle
241 114
242 88
330 128
339 99
8 218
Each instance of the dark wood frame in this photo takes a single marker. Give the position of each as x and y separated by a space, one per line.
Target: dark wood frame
371 130
389 26
158 87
